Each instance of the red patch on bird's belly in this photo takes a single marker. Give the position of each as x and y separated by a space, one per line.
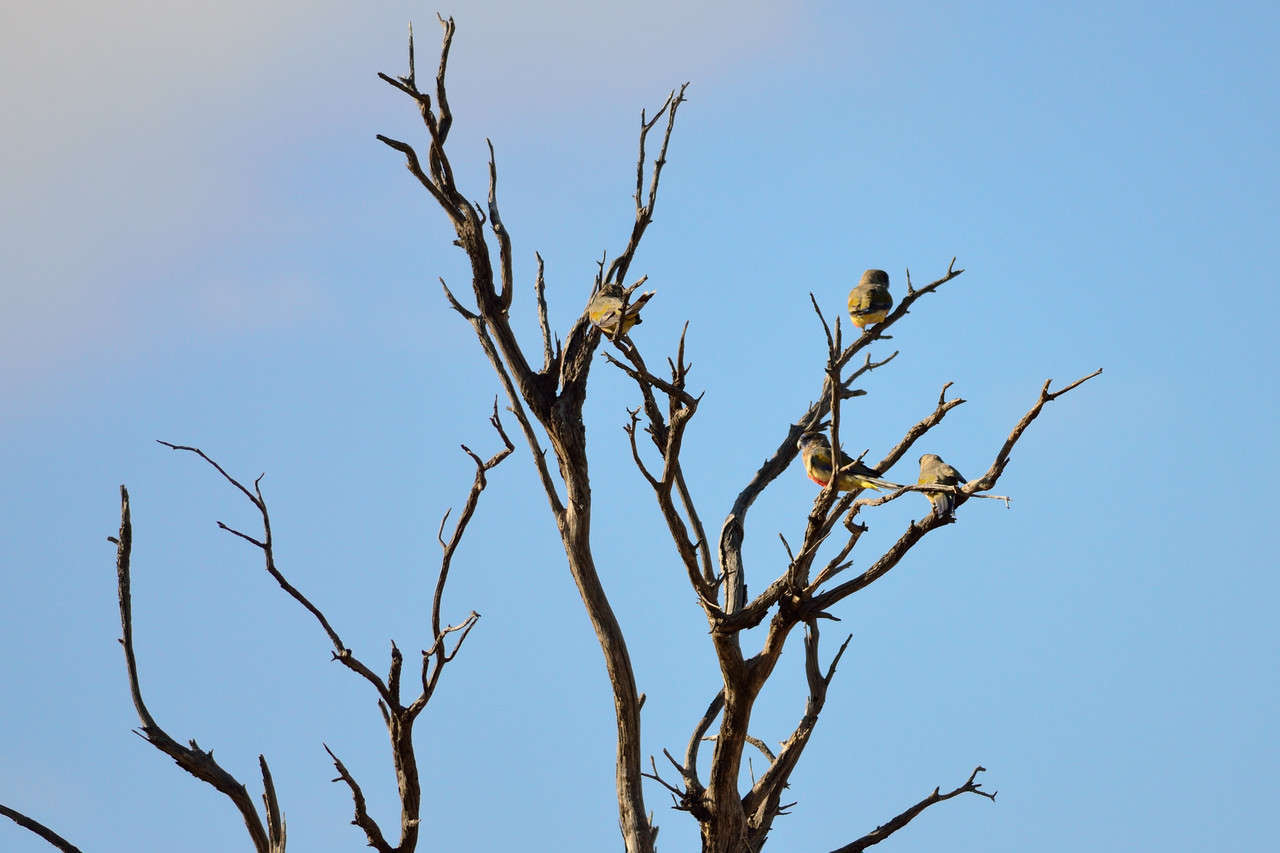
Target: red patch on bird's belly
822 483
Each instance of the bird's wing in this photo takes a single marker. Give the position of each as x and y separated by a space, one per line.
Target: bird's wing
818 461
881 299
603 310
856 468
868 299
860 300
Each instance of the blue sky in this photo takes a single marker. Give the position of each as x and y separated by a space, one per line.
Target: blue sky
201 241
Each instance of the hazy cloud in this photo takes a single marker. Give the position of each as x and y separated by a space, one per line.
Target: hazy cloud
133 127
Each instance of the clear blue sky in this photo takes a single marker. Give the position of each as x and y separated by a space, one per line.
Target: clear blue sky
201 241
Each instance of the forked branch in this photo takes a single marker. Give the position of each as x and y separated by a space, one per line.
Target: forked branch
644 206
732 531
554 396
762 803
341 653
398 717
667 432
916 530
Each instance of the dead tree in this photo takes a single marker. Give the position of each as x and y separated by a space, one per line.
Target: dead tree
267 828
731 820
547 401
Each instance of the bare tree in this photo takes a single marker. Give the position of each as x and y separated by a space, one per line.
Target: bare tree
734 815
267 828
730 819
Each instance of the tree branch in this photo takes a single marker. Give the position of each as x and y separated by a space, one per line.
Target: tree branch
499 230
644 210
362 818
880 833
916 530
762 802
556 401
399 718
732 531
919 428
988 480
513 396
699 732
33 825
796 601
341 653
194 760
823 516
549 357
468 510
668 435
415 168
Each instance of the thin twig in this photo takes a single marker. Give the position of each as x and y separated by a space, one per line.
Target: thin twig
341 653
468 510
644 208
540 296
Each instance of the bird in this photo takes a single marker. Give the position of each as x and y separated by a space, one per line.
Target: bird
605 305
935 472
815 453
869 301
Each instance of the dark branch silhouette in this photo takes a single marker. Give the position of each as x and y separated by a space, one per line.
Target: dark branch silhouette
39 829
880 833
268 836
398 716
548 404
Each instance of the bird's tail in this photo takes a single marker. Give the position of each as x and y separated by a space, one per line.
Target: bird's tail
944 504
876 483
633 308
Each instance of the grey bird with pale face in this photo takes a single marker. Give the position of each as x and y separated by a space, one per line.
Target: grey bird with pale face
935 472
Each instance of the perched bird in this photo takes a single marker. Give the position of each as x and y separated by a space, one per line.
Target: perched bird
605 306
935 472
869 301
815 453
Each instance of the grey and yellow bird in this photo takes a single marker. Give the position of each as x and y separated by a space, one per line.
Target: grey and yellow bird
935 472
869 301
815 454
605 308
